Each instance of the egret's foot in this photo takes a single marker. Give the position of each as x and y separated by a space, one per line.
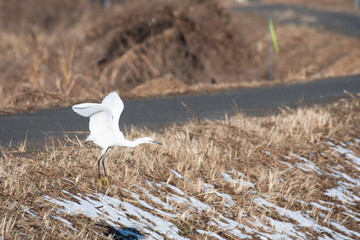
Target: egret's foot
99 184
105 181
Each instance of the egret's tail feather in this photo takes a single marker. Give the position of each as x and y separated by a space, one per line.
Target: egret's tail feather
90 139
87 109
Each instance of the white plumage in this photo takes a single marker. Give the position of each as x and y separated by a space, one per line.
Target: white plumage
104 125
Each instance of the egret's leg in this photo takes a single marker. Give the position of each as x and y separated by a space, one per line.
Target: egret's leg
99 179
104 167
106 181
99 166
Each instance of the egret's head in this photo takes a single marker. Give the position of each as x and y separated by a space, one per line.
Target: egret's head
149 140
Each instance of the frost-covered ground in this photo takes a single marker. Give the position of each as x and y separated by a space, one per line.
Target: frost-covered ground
155 214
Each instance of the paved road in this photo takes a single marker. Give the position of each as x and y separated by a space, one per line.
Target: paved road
340 22
154 113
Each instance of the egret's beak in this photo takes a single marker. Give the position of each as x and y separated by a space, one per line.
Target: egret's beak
155 142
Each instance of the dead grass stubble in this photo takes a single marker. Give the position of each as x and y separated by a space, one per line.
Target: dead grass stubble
198 151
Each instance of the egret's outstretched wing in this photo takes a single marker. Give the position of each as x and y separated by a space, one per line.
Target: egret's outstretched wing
104 119
87 109
100 125
116 105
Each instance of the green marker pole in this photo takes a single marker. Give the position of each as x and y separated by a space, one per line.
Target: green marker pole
270 53
273 36
272 42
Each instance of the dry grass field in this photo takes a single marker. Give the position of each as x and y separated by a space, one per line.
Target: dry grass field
294 175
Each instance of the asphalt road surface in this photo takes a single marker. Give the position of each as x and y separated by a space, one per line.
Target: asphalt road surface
155 113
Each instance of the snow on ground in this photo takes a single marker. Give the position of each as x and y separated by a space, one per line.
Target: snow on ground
151 217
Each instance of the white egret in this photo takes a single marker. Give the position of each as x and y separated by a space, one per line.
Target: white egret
104 126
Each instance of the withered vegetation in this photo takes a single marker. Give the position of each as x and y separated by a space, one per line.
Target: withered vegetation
201 152
95 49
55 53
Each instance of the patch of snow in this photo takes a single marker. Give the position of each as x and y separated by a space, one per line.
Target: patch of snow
286 163
227 177
67 223
241 181
266 152
229 200
345 230
68 180
177 174
340 194
302 220
231 226
148 206
209 188
328 203
240 174
157 200
175 189
210 234
200 206
177 199
118 213
343 144
318 206
29 211
307 165
348 153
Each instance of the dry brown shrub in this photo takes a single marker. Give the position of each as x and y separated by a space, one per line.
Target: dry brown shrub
92 50
159 87
191 40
